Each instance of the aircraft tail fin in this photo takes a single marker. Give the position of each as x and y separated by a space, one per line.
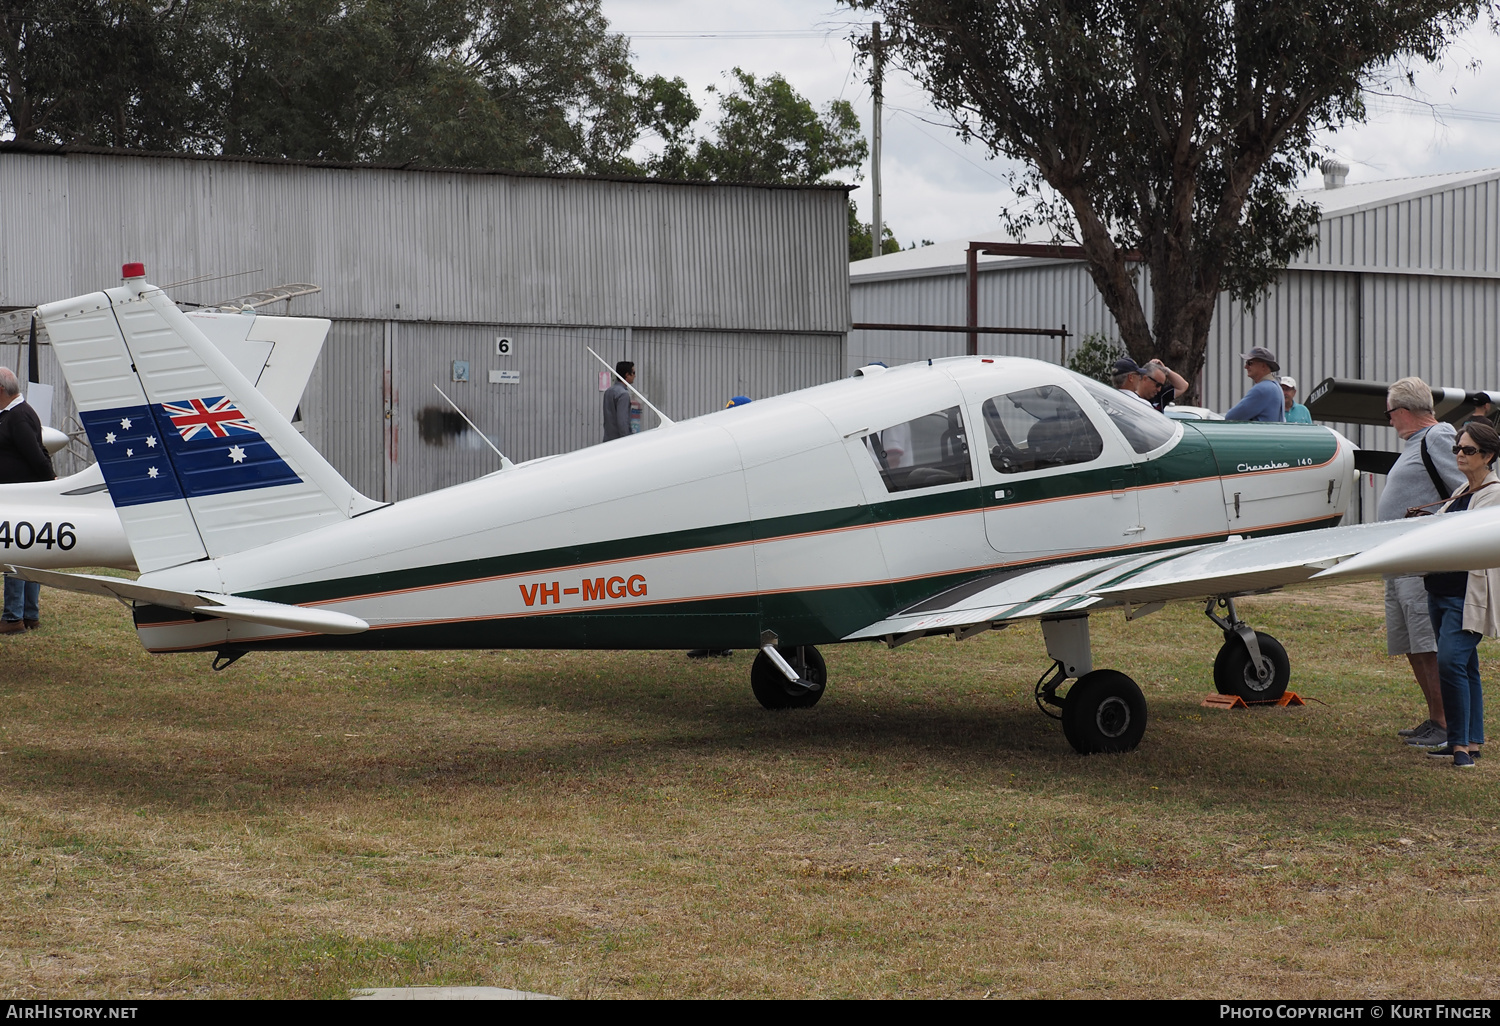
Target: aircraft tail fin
198 462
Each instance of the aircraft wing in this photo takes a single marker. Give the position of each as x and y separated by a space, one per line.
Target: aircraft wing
1363 402
1236 567
228 607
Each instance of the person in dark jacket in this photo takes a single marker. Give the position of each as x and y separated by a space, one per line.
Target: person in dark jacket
617 402
22 458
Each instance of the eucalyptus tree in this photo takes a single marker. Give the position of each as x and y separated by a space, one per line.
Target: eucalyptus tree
1168 129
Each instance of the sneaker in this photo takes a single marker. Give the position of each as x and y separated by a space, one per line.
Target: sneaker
1418 729
1433 737
1445 752
1463 760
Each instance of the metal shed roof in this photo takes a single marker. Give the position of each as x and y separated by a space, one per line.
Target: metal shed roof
1365 226
429 244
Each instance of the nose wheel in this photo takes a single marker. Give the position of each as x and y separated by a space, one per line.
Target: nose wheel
1236 673
1250 664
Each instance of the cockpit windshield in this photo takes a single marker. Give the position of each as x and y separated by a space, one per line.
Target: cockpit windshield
1142 426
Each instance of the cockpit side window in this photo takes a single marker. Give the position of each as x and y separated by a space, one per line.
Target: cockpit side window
1037 428
922 453
1142 426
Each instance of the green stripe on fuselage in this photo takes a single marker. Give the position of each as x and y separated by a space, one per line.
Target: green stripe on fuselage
958 501
817 617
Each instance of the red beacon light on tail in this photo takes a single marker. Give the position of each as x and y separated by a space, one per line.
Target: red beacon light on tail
133 270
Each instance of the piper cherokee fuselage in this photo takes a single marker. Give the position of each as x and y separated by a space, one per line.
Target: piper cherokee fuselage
795 515
949 496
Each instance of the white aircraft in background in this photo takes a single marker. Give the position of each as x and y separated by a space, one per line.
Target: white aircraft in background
949 497
71 522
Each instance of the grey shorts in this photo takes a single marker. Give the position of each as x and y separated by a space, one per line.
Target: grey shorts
1408 626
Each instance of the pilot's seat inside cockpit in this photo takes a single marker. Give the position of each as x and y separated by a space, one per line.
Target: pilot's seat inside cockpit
1057 431
1049 443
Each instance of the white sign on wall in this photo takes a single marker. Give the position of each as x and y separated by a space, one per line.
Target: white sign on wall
505 377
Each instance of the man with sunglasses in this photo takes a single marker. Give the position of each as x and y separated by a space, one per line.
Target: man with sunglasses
1425 472
1160 384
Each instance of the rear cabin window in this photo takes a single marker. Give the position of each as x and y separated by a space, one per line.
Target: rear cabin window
1142 426
922 453
1037 428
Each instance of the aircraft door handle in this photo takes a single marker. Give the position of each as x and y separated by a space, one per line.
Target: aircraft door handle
1137 529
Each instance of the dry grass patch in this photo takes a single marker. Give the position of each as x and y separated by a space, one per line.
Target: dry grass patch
618 824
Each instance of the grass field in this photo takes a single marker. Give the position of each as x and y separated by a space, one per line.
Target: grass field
634 825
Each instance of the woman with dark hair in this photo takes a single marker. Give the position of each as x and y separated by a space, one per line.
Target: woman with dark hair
1466 604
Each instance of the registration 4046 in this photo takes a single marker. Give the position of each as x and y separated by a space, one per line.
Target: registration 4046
23 534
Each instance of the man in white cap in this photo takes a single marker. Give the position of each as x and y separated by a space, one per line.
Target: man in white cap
1264 401
1296 413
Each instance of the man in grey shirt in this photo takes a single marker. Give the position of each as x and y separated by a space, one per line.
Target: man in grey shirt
1426 460
617 403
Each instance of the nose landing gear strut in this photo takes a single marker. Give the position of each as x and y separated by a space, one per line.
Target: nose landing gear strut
1250 664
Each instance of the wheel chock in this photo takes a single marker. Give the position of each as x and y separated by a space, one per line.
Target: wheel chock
1236 702
1287 698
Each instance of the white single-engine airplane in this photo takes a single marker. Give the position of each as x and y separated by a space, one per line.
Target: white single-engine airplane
949 497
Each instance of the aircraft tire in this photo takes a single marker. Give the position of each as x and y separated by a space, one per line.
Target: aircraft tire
770 686
1234 676
1104 711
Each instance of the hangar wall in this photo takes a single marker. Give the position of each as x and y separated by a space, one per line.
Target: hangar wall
1405 279
715 290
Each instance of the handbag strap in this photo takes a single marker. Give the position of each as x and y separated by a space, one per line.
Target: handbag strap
1432 471
1460 495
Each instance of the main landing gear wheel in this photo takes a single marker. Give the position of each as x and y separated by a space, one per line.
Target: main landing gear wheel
774 691
1235 674
1104 711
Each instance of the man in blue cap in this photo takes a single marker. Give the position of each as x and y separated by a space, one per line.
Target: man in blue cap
1126 376
1265 401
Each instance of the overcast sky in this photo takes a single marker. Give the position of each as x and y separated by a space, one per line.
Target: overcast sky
935 187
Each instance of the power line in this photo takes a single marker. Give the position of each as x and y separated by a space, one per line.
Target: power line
1441 111
917 123
731 34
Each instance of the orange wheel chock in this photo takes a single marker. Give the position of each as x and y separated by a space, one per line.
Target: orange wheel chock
1236 702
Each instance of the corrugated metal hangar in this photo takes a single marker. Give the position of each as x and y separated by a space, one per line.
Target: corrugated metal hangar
713 290
1404 279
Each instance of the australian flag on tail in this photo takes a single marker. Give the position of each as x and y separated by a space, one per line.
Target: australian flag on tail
186 448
